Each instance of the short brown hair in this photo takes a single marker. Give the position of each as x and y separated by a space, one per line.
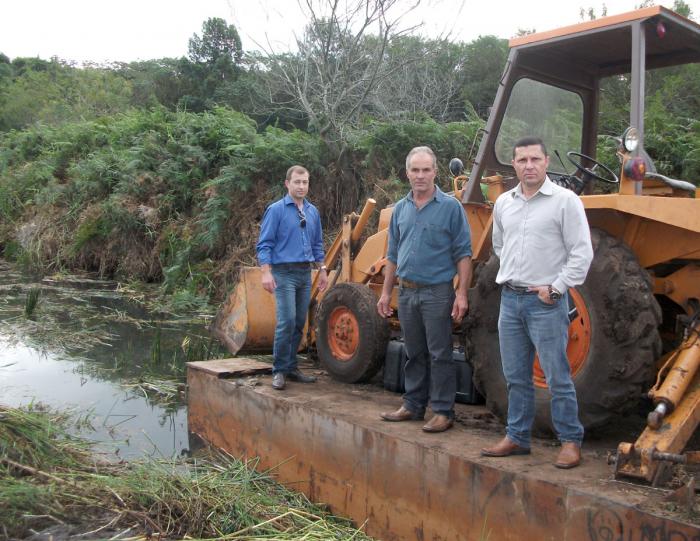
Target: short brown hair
296 169
530 141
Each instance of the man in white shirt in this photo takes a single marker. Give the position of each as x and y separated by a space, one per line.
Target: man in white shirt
542 238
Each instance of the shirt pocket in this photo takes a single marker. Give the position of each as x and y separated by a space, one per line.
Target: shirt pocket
436 236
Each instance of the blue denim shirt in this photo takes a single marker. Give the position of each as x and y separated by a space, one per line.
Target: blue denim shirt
283 240
426 244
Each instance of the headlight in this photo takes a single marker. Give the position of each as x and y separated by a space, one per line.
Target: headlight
630 139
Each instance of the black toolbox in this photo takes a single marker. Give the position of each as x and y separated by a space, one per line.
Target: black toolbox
395 362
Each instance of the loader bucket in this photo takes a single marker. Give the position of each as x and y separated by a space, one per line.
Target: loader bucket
246 320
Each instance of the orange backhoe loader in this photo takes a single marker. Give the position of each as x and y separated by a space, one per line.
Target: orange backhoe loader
635 322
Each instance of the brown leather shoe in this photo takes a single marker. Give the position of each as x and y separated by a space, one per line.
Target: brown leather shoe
505 447
401 414
569 456
439 423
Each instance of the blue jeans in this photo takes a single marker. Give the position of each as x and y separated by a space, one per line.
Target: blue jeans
292 296
525 325
426 321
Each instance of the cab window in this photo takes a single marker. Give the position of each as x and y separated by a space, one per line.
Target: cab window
545 111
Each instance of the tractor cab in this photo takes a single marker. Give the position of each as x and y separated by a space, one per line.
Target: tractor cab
635 321
551 88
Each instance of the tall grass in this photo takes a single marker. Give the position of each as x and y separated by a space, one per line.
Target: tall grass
48 478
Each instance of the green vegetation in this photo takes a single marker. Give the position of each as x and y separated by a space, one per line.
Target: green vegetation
49 479
159 171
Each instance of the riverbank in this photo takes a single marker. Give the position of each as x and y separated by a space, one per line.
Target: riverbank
52 483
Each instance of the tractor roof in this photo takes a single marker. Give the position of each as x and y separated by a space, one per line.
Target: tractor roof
602 47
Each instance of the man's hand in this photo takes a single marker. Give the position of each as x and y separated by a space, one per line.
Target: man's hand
268 281
460 307
322 280
542 293
384 306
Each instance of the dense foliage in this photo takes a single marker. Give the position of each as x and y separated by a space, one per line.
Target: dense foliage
159 170
175 197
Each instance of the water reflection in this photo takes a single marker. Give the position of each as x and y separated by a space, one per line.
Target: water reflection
87 348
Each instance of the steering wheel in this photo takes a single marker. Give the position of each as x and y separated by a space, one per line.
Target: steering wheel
611 176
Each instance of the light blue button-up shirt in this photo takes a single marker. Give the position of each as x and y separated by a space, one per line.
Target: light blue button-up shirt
283 240
425 244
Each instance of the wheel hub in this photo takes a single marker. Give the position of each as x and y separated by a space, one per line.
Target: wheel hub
343 333
579 341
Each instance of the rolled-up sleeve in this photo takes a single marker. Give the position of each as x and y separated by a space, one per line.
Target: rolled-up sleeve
392 252
577 239
461 235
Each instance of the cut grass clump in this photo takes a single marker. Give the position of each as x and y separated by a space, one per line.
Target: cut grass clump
49 479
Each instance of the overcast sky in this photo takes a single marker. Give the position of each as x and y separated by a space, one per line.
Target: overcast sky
126 30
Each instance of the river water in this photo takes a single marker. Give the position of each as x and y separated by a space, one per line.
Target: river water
89 348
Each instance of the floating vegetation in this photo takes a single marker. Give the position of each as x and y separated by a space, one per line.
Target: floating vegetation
51 482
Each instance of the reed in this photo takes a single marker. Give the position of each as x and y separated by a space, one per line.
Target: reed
49 479
32 302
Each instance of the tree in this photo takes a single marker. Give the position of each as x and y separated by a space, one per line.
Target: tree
426 78
219 40
485 58
340 63
214 60
683 8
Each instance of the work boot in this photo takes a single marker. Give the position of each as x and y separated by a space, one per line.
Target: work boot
569 456
278 381
296 375
401 414
505 447
439 423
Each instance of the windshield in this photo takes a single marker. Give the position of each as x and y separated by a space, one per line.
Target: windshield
546 111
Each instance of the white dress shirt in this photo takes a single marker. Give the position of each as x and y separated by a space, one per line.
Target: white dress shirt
544 240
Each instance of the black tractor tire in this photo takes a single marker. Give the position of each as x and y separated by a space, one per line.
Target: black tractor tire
351 336
624 339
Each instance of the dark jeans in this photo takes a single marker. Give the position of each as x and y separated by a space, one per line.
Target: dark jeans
427 329
527 325
292 296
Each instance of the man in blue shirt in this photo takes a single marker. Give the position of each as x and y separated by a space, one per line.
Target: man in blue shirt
429 242
290 242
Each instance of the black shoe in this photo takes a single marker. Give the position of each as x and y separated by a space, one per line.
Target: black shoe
278 381
296 375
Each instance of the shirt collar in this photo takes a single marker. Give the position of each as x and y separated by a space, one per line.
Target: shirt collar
545 189
289 201
438 195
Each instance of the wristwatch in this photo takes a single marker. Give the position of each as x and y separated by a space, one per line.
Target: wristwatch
323 268
554 295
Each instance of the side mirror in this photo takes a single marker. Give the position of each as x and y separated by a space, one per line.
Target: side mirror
456 167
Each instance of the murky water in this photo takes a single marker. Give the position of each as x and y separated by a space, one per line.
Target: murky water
88 349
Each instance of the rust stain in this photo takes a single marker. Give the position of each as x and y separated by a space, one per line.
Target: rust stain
330 444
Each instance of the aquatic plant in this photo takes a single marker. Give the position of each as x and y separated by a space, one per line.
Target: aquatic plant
49 479
32 302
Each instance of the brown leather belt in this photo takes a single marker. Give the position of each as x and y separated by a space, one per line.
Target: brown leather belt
410 284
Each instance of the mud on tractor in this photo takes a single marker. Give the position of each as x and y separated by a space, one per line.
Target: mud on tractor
635 322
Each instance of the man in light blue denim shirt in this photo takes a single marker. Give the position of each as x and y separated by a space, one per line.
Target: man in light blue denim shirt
290 242
429 243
